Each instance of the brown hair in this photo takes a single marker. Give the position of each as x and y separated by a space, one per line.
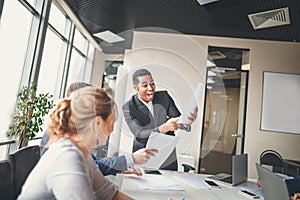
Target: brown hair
75 115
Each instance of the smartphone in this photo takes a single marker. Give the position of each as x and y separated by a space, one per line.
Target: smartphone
248 194
152 172
212 184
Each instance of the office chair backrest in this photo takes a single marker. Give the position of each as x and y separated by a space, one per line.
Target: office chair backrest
272 158
6 180
22 162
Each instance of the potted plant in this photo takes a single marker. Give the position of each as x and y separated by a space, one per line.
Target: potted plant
27 119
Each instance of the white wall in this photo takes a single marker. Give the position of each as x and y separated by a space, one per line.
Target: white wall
178 62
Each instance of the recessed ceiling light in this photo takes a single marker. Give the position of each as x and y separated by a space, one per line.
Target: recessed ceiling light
202 2
210 73
210 81
109 36
210 63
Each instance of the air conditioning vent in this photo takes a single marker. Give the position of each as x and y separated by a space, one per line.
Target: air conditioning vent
203 2
270 18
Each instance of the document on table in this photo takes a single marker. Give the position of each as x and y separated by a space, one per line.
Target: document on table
193 180
191 105
155 182
165 144
253 189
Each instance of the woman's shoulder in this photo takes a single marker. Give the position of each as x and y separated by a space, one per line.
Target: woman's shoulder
65 148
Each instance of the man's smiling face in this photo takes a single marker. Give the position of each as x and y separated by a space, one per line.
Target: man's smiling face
145 88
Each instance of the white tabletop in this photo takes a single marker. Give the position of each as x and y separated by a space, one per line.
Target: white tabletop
128 185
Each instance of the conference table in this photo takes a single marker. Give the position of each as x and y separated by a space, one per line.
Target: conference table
184 187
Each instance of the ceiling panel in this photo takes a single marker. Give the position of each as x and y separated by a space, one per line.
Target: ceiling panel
223 18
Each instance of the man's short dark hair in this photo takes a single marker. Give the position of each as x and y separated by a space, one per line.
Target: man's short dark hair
75 86
139 73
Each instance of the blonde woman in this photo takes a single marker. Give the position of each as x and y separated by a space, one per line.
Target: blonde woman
67 170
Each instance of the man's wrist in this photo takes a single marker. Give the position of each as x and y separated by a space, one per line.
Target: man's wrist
129 160
161 128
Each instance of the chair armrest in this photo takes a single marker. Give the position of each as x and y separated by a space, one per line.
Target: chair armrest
293 163
290 164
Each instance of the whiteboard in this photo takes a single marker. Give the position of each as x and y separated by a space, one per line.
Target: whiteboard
281 102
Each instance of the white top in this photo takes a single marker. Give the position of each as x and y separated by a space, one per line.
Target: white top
149 105
64 173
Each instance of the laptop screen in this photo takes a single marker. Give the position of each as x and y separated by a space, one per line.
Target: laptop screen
273 186
239 168
239 171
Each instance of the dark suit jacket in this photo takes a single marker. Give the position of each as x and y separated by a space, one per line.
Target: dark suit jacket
142 123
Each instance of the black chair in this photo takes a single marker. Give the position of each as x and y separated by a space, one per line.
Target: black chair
291 167
187 168
6 180
22 162
273 159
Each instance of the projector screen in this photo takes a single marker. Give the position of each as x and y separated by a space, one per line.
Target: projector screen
281 102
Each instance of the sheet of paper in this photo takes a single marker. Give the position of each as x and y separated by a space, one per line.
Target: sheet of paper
195 181
165 144
191 105
156 182
253 189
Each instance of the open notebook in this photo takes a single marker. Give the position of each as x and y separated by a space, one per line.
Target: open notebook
239 171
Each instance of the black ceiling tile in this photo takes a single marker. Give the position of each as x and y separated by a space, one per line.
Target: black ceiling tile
223 18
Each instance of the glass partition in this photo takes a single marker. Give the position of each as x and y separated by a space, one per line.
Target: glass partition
225 103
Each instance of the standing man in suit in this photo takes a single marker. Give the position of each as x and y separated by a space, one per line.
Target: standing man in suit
149 111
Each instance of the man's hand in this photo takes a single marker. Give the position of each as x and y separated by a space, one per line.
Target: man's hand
133 170
142 155
296 196
170 125
193 115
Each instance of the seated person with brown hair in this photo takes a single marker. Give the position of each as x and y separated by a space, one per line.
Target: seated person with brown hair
67 170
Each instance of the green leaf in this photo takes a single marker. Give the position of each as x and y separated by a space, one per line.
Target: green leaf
29 112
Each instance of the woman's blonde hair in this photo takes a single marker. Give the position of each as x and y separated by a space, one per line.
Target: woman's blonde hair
75 114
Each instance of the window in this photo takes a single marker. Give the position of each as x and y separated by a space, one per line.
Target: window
58 20
15 20
14 34
53 57
77 67
45 60
79 59
31 2
54 54
80 42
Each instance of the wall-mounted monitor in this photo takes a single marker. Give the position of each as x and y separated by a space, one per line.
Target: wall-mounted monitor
281 102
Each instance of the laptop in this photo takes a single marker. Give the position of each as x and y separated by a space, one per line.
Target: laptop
273 186
239 171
